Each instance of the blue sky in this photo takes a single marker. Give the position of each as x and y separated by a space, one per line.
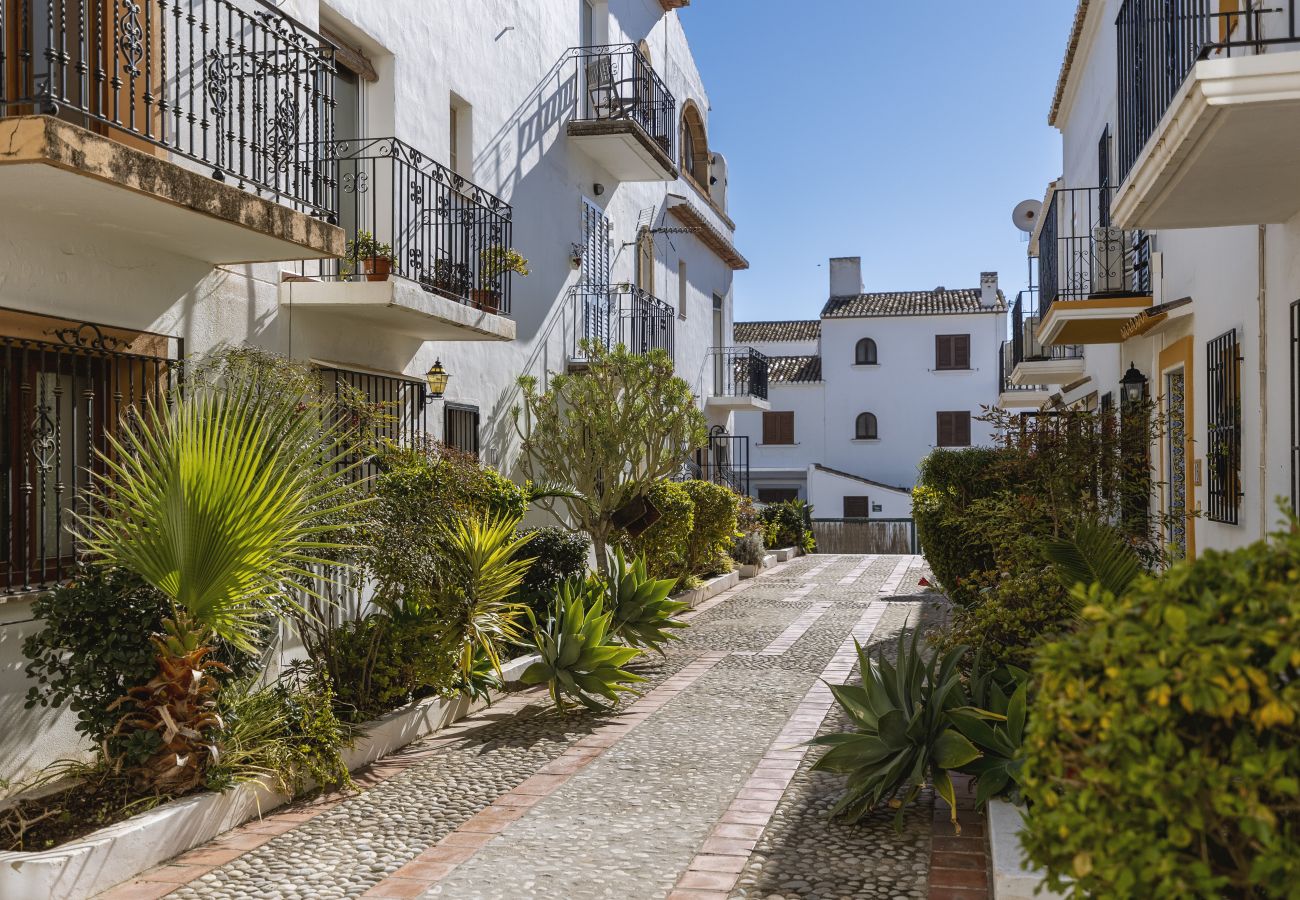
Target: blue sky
901 132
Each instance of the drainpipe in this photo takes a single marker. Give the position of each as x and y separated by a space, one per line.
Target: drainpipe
1263 383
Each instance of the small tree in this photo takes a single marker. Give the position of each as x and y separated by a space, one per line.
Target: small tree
608 435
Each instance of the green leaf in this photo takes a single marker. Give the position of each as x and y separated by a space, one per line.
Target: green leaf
952 750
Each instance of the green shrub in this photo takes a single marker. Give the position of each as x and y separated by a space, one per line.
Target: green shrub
666 543
559 554
1163 749
788 524
380 663
950 481
1013 613
748 550
714 528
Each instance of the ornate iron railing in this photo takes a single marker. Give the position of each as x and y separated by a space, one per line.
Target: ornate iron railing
1006 365
1159 41
234 85
1025 346
724 461
1081 254
616 82
61 395
738 372
614 315
408 215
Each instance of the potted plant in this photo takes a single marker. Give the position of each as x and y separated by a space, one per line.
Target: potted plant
376 258
494 262
452 279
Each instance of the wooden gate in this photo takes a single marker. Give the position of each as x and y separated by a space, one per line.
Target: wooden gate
865 535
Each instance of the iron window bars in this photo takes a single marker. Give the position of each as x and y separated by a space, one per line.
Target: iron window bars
1223 453
444 232
617 83
1160 41
739 372
1025 345
1081 255
400 409
234 85
460 428
60 398
614 315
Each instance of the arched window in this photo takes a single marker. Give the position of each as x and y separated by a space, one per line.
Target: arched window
866 427
865 354
695 145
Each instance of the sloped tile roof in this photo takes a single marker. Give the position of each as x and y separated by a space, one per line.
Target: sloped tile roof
1071 48
758 332
794 369
939 301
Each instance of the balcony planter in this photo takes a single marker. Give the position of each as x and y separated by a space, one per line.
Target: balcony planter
98 861
377 268
488 301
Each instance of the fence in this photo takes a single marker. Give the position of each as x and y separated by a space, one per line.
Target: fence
865 536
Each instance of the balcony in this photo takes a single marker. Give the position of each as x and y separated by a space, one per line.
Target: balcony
737 379
1013 395
426 252
1209 113
1093 276
618 315
186 126
1034 363
625 117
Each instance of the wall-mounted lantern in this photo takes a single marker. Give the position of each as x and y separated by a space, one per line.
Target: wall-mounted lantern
437 379
1133 386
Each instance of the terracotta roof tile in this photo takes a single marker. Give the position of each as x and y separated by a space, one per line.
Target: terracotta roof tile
794 369
1071 47
759 332
939 301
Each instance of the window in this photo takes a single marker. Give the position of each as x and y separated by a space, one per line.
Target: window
453 157
865 353
777 495
952 351
857 507
460 428
1103 178
953 429
1223 452
682 286
866 427
695 146
405 414
778 427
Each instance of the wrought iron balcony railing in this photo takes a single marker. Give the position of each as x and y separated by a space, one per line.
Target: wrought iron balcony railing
1025 346
407 215
1006 365
614 315
738 372
233 85
1160 41
724 461
1081 254
616 82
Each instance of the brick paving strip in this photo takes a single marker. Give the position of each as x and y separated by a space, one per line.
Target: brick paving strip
959 863
721 858
858 571
895 579
439 861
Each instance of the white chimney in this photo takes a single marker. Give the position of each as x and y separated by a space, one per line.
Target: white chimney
846 276
988 288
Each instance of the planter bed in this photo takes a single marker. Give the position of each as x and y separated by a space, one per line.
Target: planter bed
709 589
1012 878
114 854
769 560
785 554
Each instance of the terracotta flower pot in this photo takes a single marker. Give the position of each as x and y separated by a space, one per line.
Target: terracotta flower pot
488 301
377 268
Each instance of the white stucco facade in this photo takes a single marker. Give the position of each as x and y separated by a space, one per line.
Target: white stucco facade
506 68
905 389
1206 282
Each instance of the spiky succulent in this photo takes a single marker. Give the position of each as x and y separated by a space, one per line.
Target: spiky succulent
642 612
578 661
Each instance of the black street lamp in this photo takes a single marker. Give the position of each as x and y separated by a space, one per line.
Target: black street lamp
1133 386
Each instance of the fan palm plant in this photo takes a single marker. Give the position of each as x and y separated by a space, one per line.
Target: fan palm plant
224 500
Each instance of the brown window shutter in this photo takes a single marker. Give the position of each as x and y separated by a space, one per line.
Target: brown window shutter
961 351
778 427
787 427
961 429
771 428
857 507
943 438
942 351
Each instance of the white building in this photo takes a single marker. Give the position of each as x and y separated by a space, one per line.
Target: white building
860 395
1171 245
575 131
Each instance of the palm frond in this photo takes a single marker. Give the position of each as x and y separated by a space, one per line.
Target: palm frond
1096 553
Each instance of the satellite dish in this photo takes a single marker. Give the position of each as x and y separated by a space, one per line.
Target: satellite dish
1026 214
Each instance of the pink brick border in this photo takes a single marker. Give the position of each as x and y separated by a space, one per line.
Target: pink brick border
717 865
439 861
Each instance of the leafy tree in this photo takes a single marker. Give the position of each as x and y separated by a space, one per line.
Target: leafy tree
607 435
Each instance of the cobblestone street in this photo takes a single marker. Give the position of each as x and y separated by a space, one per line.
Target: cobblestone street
699 789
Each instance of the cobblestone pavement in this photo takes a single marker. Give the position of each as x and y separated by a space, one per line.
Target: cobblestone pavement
701 790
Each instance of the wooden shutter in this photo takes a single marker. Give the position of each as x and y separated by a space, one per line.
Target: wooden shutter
953 429
961 429
943 430
961 351
943 351
778 427
857 507
952 351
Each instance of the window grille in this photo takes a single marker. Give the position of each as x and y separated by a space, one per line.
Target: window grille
1223 450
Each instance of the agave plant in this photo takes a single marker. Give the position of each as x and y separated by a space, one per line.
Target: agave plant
995 724
642 612
577 659
223 500
905 738
486 554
